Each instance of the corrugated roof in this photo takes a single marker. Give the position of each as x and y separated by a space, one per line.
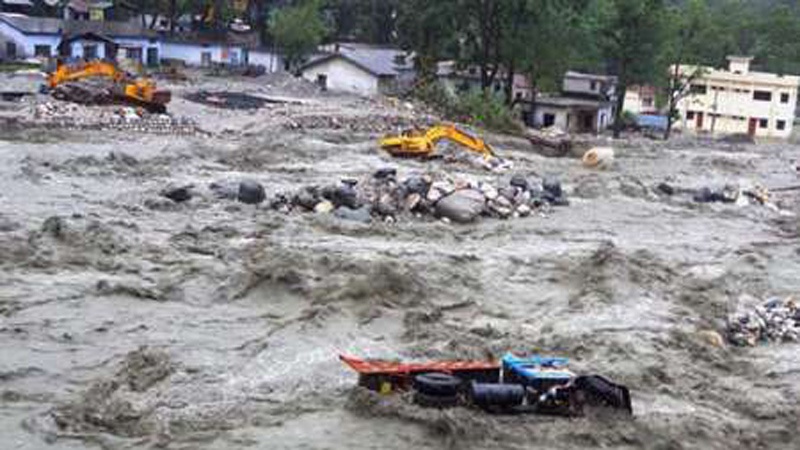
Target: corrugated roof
379 61
49 25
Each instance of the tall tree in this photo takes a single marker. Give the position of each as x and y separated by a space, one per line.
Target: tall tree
631 36
429 28
687 28
298 30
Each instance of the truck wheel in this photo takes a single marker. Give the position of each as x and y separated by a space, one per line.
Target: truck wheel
437 384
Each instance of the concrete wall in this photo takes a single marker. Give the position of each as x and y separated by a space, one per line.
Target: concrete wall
569 118
271 61
26 44
344 76
559 113
728 107
192 53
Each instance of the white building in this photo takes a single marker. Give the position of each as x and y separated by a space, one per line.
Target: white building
640 100
23 37
586 104
738 101
361 69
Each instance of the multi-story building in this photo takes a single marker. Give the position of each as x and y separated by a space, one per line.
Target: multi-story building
738 101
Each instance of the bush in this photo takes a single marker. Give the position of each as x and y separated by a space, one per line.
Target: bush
471 108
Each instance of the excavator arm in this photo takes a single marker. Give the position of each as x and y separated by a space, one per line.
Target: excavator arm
423 144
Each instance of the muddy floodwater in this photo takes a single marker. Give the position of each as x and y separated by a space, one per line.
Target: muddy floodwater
128 320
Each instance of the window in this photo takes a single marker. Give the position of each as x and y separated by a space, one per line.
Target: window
780 125
41 51
205 59
763 123
89 52
764 96
647 101
699 89
689 115
784 98
593 85
134 53
548 120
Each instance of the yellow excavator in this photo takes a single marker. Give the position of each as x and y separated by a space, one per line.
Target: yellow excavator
72 82
422 143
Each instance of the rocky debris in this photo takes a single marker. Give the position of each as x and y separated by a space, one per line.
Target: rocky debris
251 192
385 197
72 116
462 206
774 321
360 124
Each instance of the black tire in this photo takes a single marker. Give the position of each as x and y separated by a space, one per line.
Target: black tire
435 401
437 384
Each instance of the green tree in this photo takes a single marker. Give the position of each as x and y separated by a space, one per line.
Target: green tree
429 29
688 29
298 30
630 34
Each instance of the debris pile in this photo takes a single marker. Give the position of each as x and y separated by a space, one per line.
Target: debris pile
774 321
72 116
360 124
386 197
228 100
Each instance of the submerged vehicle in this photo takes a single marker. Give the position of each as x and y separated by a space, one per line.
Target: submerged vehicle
530 384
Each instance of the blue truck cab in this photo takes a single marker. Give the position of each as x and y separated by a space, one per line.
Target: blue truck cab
538 372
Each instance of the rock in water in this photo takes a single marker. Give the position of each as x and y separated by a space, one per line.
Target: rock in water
462 206
178 194
363 214
251 192
552 186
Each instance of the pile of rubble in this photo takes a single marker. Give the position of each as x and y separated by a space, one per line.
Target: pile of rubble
72 116
386 197
360 124
774 321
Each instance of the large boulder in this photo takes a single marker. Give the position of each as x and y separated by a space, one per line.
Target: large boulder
462 206
251 192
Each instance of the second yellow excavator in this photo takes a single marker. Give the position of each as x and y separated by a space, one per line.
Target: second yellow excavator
422 143
71 82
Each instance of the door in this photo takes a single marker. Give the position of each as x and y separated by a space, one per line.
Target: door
752 126
11 50
699 120
152 56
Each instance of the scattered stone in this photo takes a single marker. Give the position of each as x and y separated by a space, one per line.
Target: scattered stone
461 206
519 181
225 189
178 194
385 173
524 210
362 215
324 207
251 192
665 189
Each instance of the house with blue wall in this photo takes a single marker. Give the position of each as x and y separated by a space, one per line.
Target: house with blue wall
23 37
